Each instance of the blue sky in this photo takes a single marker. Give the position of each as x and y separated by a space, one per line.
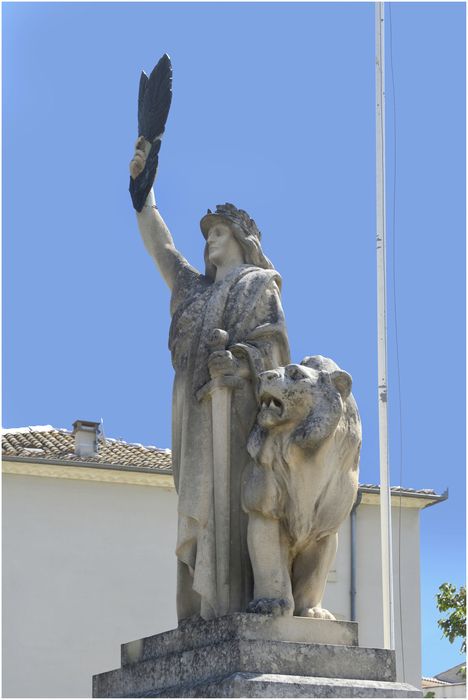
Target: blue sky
273 110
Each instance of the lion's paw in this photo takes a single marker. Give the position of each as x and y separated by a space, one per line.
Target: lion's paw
318 613
270 606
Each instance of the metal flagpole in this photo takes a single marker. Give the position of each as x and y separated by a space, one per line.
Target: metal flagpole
385 499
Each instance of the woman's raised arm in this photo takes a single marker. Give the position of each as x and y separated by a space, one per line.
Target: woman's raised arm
156 236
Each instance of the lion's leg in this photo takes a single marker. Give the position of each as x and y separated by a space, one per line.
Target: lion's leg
269 554
309 575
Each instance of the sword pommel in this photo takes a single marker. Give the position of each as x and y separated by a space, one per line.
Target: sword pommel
218 340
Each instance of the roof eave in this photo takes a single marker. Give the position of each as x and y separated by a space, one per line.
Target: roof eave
404 498
84 463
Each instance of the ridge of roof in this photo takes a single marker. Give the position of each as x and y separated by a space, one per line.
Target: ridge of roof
31 428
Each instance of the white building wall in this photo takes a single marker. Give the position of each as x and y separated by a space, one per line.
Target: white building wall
369 582
86 566
90 565
457 690
337 593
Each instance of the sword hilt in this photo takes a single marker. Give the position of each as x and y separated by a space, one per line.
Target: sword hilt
218 340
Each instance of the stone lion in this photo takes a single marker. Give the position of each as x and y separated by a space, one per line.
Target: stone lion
302 483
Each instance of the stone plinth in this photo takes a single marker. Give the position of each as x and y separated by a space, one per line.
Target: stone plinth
244 655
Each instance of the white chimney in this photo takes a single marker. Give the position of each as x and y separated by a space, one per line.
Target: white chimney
86 434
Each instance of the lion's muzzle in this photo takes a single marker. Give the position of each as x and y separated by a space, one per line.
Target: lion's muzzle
270 397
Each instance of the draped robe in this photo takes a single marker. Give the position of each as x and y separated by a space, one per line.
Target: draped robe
246 304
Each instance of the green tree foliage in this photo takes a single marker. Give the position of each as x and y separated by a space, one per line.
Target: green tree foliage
453 624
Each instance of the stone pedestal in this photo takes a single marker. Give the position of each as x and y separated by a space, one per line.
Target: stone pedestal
245 655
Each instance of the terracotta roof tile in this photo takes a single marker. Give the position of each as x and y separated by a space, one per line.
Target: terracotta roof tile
44 442
428 682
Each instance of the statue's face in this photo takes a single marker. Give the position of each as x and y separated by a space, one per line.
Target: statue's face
222 246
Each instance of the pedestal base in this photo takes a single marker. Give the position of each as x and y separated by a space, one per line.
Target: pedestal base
269 685
244 655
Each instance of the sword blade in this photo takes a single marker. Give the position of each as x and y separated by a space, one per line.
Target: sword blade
221 412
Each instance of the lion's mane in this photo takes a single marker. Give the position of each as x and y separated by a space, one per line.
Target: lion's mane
305 474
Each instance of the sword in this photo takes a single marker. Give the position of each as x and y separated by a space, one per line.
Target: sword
219 388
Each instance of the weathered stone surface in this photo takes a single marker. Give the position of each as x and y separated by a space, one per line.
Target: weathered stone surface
189 673
249 685
243 655
305 447
239 295
226 658
250 656
193 634
307 435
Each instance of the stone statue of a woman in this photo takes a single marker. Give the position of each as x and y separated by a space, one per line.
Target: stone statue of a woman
239 292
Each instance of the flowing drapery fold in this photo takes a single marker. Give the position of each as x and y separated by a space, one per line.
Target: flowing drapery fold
246 304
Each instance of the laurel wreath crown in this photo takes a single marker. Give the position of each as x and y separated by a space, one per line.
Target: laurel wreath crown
237 216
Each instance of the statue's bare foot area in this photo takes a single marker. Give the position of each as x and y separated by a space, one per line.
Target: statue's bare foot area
270 606
318 613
